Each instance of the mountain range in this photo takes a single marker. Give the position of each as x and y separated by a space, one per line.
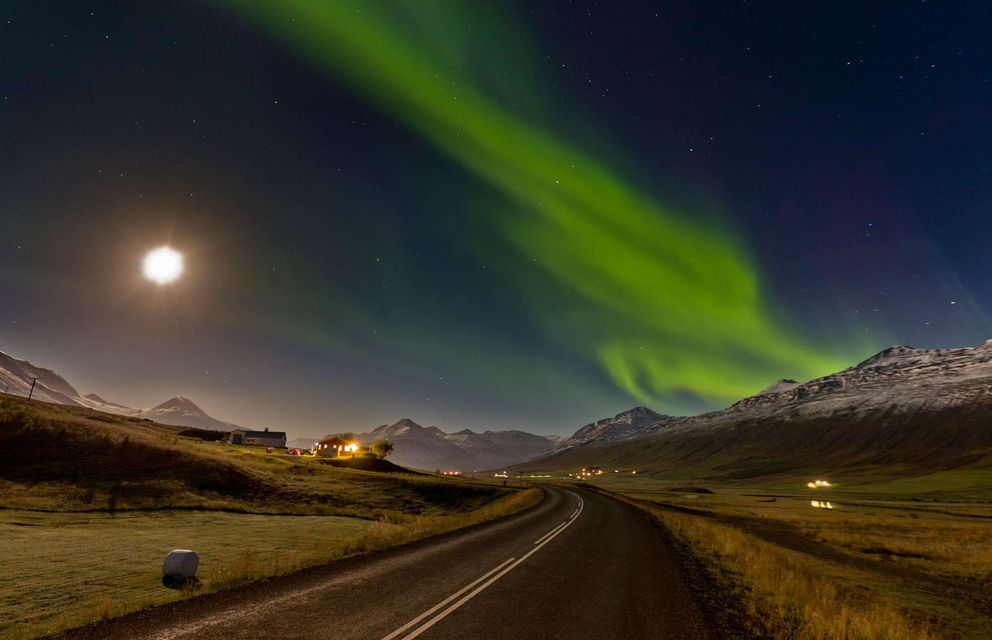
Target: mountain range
466 450
415 446
904 411
16 377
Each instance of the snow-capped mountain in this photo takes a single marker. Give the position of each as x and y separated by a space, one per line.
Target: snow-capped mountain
621 426
493 449
421 447
899 376
521 444
182 411
918 408
16 376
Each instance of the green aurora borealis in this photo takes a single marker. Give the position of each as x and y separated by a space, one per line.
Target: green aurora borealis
669 304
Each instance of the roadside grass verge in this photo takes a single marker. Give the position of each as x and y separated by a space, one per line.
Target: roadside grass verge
75 569
787 597
394 530
790 595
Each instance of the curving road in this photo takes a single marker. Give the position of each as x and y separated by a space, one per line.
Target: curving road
578 565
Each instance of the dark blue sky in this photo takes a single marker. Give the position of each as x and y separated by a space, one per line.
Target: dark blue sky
344 269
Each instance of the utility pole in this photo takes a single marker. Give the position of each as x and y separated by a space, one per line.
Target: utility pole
7 390
31 393
139 413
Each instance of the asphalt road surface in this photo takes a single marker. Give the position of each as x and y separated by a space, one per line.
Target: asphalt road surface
578 565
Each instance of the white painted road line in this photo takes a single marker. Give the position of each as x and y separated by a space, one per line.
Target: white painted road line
446 600
539 540
430 623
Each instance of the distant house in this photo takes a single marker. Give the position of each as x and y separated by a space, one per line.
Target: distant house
333 447
258 438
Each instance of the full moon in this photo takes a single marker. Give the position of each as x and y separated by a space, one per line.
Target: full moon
163 265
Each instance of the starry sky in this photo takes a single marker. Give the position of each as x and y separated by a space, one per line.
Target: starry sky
488 215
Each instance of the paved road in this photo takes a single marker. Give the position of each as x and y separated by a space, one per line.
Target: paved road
578 565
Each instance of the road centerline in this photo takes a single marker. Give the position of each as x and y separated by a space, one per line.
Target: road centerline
448 599
500 571
564 522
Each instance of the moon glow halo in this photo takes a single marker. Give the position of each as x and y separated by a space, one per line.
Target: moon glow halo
163 265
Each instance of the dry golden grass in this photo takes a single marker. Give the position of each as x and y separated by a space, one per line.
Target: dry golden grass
932 542
787 597
880 564
950 536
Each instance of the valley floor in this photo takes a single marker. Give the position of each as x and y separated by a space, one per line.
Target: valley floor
878 563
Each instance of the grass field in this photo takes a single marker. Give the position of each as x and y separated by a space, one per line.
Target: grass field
885 562
96 565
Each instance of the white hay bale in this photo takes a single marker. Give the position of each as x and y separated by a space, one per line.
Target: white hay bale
180 564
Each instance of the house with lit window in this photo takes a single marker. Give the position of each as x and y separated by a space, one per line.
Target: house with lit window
334 447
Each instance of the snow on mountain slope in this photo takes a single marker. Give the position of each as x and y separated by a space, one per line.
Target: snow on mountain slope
421 447
485 453
521 444
16 376
621 426
778 387
182 411
94 401
465 450
898 376
904 409
494 449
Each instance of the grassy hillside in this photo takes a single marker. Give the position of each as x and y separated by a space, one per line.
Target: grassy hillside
873 445
69 458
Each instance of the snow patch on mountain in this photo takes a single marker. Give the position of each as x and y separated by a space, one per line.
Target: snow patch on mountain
622 426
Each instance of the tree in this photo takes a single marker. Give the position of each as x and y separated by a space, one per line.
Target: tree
382 448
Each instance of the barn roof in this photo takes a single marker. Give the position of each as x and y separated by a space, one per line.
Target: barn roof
264 434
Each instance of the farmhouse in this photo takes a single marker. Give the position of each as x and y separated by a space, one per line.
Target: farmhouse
258 438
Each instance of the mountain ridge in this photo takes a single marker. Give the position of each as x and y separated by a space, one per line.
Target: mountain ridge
180 410
926 408
16 375
619 427
464 450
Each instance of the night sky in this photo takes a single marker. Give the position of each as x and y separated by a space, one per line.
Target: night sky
488 215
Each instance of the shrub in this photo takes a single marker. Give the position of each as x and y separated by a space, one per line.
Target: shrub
381 448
